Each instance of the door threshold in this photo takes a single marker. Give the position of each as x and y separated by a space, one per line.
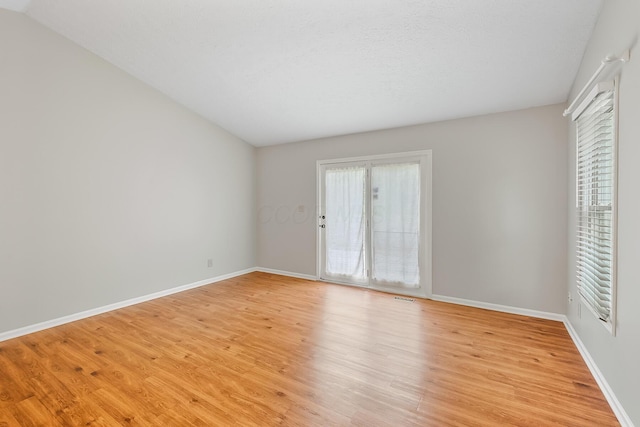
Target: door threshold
369 288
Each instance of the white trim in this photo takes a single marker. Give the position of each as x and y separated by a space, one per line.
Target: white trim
597 90
608 393
375 157
115 306
286 273
502 308
610 62
615 404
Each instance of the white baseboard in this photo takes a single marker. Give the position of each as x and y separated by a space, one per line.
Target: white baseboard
617 408
615 404
110 307
502 308
286 273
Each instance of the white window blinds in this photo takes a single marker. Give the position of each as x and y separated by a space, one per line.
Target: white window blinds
595 200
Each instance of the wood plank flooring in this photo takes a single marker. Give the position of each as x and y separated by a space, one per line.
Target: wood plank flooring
265 350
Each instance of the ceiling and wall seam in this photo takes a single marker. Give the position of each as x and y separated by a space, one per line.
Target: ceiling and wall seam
272 73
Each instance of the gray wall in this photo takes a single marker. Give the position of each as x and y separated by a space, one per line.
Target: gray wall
617 357
108 190
499 203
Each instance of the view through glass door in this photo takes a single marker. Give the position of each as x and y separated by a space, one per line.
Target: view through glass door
374 222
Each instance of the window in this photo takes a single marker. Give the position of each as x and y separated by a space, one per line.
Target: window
596 202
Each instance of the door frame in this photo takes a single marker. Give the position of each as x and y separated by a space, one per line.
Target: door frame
425 253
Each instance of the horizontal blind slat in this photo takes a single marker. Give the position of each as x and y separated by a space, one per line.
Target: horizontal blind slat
595 183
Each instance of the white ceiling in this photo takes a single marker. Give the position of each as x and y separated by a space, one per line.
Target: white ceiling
15 5
276 71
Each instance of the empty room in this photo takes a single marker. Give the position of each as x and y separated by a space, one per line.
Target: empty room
337 213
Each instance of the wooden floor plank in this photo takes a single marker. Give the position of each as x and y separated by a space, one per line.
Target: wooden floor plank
267 350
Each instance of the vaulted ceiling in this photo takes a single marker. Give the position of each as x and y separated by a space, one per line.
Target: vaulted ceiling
277 71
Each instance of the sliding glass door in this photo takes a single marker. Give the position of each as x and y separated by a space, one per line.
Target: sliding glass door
374 222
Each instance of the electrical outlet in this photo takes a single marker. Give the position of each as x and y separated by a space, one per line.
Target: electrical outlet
210 263
579 311
569 297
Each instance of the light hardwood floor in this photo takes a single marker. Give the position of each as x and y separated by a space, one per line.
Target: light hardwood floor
263 350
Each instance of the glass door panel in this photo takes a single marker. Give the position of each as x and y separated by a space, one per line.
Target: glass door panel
345 228
395 224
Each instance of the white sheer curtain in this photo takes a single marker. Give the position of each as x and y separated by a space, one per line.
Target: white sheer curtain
395 222
345 222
